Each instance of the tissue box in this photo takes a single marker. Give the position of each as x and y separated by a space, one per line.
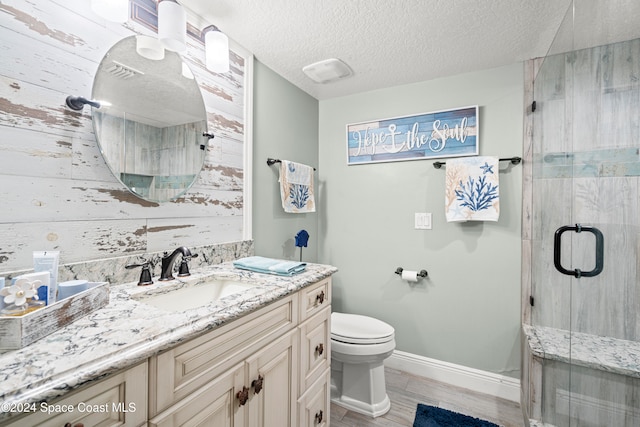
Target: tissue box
18 332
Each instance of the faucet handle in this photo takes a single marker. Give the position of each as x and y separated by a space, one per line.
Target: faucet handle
184 265
145 274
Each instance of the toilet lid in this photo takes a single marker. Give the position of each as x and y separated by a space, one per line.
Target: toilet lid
357 329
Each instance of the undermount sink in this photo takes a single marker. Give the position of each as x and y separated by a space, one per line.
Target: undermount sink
189 296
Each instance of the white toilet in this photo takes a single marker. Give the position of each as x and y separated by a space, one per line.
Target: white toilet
359 346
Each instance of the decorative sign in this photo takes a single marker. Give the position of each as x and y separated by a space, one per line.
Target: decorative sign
449 133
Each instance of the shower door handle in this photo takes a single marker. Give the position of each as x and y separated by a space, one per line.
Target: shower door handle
557 251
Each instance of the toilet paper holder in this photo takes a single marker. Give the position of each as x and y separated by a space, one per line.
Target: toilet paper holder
421 273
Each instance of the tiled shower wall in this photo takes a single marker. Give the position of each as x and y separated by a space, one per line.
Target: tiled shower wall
56 192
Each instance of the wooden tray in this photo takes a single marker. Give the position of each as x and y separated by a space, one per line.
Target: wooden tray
19 331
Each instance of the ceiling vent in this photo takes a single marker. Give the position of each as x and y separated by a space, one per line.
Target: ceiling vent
327 71
122 71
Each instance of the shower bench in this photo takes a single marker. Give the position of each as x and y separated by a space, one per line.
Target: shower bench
595 363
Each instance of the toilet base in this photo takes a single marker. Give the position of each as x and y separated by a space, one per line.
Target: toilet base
360 407
360 388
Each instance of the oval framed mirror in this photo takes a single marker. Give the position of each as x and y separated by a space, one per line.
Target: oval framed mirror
152 121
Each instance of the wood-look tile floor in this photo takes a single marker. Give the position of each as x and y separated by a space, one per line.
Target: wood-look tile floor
406 391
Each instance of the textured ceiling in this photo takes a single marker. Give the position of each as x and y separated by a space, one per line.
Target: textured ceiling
388 42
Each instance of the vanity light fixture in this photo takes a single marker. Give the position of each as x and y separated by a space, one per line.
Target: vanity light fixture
216 45
77 103
111 10
149 47
172 25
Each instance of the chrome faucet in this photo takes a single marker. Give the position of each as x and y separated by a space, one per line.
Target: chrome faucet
169 260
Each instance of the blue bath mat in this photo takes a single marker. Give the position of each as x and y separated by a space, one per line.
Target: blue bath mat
431 416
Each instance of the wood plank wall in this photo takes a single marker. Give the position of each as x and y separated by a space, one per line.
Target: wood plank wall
56 192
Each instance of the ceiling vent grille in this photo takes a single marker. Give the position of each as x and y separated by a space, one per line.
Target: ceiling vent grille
122 71
327 71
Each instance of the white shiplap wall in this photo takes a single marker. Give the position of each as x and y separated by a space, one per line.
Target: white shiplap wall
56 192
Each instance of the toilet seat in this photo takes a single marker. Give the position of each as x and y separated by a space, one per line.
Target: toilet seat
357 329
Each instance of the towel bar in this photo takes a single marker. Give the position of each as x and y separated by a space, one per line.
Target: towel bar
271 162
513 160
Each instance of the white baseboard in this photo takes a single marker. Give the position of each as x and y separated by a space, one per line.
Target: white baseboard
473 379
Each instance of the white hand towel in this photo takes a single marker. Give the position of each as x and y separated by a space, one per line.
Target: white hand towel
472 189
296 187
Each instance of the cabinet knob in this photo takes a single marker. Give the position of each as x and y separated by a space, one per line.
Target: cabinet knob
320 297
243 396
320 349
257 384
319 415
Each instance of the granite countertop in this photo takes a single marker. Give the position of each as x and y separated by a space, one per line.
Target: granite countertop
591 351
127 331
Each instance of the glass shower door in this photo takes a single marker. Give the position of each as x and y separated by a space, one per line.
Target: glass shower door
552 193
605 112
586 210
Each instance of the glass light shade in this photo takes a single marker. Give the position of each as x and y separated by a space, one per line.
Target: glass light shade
216 51
150 48
172 26
111 10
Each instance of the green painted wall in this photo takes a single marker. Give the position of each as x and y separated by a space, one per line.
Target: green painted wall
468 311
285 126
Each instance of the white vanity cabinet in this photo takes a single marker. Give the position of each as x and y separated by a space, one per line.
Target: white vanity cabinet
117 401
258 370
315 355
270 367
266 402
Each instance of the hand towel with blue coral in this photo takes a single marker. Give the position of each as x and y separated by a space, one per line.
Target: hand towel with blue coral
270 266
471 189
296 187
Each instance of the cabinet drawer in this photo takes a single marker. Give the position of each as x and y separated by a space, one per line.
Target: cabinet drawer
185 368
119 400
313 406
314 298
315 352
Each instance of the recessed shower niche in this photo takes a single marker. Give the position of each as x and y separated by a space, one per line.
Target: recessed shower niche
152 124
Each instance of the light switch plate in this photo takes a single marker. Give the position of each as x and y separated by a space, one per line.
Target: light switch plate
423 221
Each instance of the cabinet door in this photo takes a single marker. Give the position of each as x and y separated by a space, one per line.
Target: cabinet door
215 405
273 379
117 401
315 348
313 406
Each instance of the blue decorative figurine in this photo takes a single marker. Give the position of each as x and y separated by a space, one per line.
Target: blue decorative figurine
301 240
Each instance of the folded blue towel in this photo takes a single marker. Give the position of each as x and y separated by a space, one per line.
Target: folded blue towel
270 266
